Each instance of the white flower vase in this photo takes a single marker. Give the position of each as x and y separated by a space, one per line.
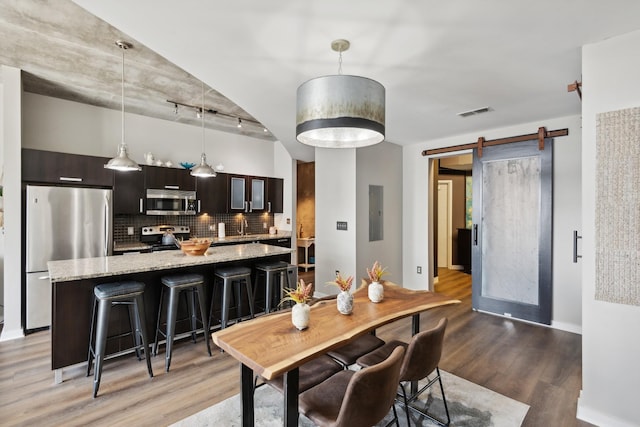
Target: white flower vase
300 315
345 302
375 291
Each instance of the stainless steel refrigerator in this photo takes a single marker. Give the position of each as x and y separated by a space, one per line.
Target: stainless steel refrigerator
62 223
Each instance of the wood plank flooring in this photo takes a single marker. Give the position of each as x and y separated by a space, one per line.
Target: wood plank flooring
535 365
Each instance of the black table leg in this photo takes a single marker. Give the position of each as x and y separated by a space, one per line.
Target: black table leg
415 328
291 398
246 385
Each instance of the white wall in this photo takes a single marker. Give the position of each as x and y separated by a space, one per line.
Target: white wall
380 164
610 338
11 135
285 167
57 125
416 193
335 201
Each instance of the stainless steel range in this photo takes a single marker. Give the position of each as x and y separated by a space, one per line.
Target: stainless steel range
162 237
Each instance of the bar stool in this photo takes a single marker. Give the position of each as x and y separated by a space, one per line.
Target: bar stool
272 273
194 285
232 277
105 296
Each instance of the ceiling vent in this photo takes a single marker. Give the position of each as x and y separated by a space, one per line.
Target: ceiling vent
474 112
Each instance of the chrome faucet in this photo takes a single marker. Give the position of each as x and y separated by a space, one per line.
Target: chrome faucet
243 227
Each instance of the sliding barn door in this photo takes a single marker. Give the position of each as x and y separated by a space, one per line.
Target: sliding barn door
512 230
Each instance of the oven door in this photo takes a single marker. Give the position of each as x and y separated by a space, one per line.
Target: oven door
171 202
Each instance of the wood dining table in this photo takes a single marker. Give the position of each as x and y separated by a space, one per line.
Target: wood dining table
270 346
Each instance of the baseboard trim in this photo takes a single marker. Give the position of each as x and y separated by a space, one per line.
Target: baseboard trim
8 335
568 327
598 418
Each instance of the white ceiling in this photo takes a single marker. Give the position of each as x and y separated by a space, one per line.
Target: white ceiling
435 58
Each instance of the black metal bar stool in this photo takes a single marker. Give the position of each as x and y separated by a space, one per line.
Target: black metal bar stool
232 278
274 274
193 284
105 296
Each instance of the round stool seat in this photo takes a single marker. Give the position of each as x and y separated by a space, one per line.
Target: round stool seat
118 289
232 271
280 265
182 280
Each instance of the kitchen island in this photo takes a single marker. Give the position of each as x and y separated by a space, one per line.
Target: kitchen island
73 281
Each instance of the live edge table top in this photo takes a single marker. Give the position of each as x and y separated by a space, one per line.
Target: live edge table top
271 345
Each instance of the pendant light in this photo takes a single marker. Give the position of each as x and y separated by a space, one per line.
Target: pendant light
339 111
122 162
203 170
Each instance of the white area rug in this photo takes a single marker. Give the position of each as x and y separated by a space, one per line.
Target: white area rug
469 405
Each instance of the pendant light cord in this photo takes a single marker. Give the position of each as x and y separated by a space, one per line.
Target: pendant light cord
340 62
122 93
202 115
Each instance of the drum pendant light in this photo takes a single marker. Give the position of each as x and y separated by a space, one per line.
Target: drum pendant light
122 162
340 111
203 170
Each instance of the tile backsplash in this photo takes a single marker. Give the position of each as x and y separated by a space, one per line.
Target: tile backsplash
199 224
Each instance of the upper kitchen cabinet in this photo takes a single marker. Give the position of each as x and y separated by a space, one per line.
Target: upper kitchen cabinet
247 194
63 168
157 177
213 194
128 192
275 188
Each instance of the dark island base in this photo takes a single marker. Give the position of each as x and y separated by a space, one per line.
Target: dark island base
72 303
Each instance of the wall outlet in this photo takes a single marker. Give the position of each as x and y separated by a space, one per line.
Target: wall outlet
419 270
288 220
337 272
130 231
212 227
264 225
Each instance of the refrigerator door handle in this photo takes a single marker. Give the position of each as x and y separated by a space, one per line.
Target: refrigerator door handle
107 229
43 277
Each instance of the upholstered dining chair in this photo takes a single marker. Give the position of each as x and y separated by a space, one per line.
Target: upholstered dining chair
355 398
349 353
421 359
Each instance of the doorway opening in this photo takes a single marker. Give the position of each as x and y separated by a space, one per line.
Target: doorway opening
450 215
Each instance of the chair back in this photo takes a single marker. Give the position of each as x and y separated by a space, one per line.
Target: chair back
371 392
423 353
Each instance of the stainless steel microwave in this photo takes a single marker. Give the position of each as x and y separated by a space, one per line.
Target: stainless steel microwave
171 202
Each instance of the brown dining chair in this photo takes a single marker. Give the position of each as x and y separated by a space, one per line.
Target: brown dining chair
421 359
355 398
310 373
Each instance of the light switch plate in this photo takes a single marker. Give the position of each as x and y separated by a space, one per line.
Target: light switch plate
341 225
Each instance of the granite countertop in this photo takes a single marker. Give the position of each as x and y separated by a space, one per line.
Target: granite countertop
87 268
139 246
252 237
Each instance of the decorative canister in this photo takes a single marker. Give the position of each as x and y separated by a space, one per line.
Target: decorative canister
375 291
300 315
345 302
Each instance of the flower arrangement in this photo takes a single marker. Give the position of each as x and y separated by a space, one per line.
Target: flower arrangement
300 295
343 283
376 272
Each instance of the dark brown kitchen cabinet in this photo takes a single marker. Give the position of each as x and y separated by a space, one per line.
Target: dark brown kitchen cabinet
128 192
63 168
275 188
157 177
213 194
